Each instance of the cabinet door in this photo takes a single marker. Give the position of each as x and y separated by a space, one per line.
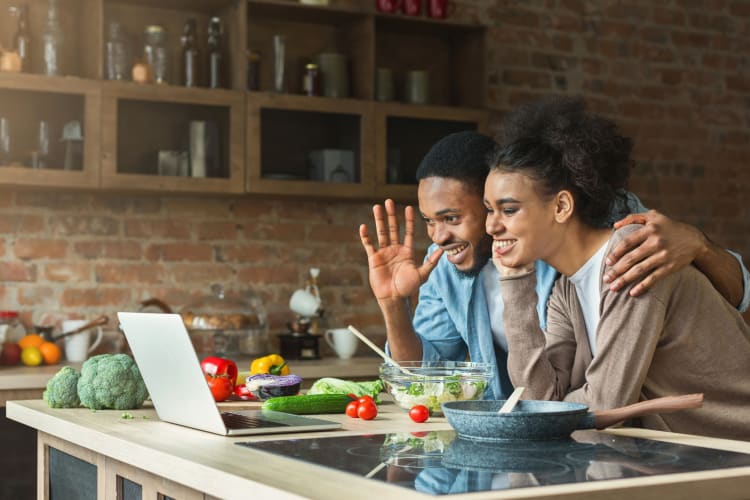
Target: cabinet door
167 138
405 133
49 131
309 146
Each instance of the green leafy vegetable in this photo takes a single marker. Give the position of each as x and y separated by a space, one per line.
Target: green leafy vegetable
62 391
415 389
111 381
330 385
127 416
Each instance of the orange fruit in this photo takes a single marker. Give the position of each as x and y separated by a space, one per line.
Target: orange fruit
31 356
30 340
51 353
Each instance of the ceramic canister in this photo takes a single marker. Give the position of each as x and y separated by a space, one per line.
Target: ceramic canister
335 75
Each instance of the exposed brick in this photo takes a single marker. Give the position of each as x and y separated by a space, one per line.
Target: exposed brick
71 225
674 17
248 253
533 79
69 272
275 232
17 271
519 17
7 199
126 250
690 39
202 275
737 83
38 248
157 229
218 230
202 207
129 273
256 209
38 296
263 275
98 296
21 224
197 252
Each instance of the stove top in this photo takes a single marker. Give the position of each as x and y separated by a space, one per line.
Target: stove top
438 462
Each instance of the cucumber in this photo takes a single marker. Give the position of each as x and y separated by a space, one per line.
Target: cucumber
308 404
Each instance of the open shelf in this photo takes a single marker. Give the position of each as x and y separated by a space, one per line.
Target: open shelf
163 154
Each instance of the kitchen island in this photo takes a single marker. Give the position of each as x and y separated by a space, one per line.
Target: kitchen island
183 463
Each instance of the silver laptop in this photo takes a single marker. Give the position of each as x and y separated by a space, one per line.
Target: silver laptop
165 356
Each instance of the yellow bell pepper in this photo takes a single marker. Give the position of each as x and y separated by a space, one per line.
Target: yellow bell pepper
273 364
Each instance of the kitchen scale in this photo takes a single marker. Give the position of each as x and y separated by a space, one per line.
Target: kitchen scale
438 462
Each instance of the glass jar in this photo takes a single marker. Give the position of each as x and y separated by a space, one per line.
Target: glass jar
155 52
227 325
117 53
53 43
311 80
11 329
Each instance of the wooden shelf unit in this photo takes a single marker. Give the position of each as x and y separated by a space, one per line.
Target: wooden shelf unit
26 100
267 137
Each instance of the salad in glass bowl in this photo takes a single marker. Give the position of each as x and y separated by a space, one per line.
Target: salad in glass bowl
431 383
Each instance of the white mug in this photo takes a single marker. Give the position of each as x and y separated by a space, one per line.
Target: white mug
342 341
79 346
304 303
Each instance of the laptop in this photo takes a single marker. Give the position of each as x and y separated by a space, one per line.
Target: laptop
175 381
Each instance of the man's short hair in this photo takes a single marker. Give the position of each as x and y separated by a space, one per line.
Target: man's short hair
463 156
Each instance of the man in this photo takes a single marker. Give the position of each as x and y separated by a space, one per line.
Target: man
460 308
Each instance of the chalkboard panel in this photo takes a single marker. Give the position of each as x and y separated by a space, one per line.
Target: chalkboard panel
70 477
131 490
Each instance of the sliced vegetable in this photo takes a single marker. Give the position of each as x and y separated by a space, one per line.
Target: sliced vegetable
308 404
242 392
265 386
330 385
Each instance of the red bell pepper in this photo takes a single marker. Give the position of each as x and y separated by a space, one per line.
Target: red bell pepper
220 374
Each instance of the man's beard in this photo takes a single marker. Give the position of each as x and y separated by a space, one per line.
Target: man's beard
482 254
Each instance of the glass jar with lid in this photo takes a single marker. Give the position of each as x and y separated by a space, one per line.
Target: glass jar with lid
11 329
227 324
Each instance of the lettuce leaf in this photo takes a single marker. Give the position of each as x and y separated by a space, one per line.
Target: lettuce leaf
330 385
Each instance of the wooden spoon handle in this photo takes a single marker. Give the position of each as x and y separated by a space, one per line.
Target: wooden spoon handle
101 320
606 418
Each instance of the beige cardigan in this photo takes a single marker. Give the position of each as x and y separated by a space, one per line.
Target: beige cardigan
680 337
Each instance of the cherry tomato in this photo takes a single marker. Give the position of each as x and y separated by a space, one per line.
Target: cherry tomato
365 399
242 392
351 409
419 413
367 411
221 387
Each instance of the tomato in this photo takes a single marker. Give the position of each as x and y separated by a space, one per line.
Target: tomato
351 409
221 387
367 411
419 413
365 399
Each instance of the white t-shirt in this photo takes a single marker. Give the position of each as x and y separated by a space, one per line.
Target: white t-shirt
491 282
587 281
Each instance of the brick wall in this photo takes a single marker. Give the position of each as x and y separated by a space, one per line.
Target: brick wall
91 253
675 74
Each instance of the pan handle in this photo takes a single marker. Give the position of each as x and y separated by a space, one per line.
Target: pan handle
606 418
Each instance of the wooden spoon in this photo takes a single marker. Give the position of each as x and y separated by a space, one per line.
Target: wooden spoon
101 320
378 350
512 401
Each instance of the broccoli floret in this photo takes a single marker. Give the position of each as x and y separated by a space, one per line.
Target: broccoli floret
62 390
111 381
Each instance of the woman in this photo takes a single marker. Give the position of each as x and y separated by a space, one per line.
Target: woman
550 189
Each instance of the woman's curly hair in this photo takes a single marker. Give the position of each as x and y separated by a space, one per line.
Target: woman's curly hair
560 145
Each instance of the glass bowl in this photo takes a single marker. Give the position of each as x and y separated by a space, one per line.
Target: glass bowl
431 383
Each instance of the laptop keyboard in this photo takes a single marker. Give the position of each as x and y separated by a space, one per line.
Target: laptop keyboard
239 421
